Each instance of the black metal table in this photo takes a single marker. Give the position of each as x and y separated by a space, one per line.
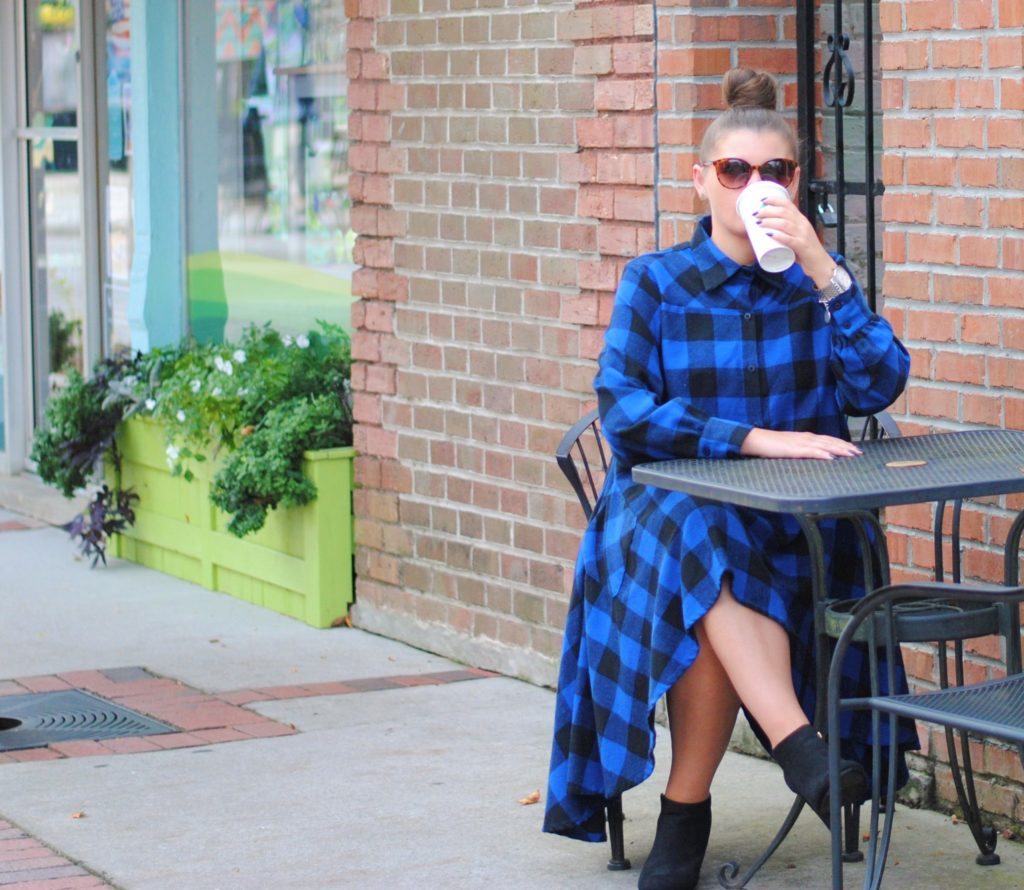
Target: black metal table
909 470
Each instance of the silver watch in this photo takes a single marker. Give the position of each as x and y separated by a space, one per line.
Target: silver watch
839 283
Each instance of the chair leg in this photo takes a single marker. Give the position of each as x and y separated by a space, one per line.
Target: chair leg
851 833
613 811
984 835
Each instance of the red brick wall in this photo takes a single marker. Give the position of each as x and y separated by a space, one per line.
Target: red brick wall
953 167
502 175
503 171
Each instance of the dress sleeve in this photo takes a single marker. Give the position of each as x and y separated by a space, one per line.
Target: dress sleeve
870 364
639 419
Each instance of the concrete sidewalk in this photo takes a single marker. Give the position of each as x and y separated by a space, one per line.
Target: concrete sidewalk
353 761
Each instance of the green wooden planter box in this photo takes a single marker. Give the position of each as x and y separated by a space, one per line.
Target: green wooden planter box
299 563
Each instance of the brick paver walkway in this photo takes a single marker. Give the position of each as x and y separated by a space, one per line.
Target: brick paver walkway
26 864
200 718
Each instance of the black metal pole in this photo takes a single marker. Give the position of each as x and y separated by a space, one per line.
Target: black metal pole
869 150
837 76
806 105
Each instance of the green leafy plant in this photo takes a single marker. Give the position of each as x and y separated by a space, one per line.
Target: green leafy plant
209 396
265 471
264 400
79 425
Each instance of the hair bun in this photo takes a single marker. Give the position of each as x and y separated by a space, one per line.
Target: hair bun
745 88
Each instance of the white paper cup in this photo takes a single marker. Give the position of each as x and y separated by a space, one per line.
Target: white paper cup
772 256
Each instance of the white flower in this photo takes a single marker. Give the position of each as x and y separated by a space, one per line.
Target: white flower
228 369
243 391
302 341
172 454
196 385
287 340
150 404
181 416
131 380
238 355
217 391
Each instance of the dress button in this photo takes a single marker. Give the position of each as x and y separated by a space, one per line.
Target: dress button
746 316
751 368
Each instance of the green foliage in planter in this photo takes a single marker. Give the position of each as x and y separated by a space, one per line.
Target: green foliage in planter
209 397
79 426
266 469
267 398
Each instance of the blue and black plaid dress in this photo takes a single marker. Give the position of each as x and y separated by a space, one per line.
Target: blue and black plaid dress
699 351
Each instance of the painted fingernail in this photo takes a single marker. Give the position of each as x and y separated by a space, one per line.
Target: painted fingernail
770 234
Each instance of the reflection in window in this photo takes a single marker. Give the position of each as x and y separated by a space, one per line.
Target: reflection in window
283 251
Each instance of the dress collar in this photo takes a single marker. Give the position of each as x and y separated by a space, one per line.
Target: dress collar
715 267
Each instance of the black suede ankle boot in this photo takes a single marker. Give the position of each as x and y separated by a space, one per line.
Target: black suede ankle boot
803 756
679 846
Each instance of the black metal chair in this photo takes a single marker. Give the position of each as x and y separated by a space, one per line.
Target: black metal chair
583 457
993 709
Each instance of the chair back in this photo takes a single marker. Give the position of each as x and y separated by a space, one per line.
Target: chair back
877 426
582 456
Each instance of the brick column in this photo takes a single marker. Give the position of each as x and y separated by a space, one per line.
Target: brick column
613 158
488 147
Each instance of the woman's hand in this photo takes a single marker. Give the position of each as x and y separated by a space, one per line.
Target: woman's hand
787 225
779 443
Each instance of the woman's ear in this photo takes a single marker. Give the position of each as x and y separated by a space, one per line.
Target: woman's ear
698 181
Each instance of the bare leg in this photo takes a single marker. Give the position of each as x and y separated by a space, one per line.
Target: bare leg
702 708
744 656
754 652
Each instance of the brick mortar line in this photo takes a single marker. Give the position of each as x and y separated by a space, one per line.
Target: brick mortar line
957 308
504 79
476 215
563 289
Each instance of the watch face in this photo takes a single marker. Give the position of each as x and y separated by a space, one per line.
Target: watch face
841 278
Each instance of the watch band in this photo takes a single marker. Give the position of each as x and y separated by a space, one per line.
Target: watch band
839 283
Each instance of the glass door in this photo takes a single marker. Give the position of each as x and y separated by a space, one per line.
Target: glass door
75 149
54 191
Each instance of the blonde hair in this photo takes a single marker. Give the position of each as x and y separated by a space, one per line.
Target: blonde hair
751 97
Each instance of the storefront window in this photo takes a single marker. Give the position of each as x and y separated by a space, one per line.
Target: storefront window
280 248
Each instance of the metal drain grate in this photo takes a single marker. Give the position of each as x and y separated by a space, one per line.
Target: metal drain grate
32 721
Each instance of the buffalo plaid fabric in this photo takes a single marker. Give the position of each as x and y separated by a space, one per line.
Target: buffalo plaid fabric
699 351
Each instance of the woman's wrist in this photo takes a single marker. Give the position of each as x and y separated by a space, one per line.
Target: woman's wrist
820 271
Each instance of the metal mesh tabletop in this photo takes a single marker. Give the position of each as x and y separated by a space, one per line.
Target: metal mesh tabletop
907 470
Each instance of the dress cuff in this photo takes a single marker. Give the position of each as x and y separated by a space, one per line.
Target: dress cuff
849 313
722 438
